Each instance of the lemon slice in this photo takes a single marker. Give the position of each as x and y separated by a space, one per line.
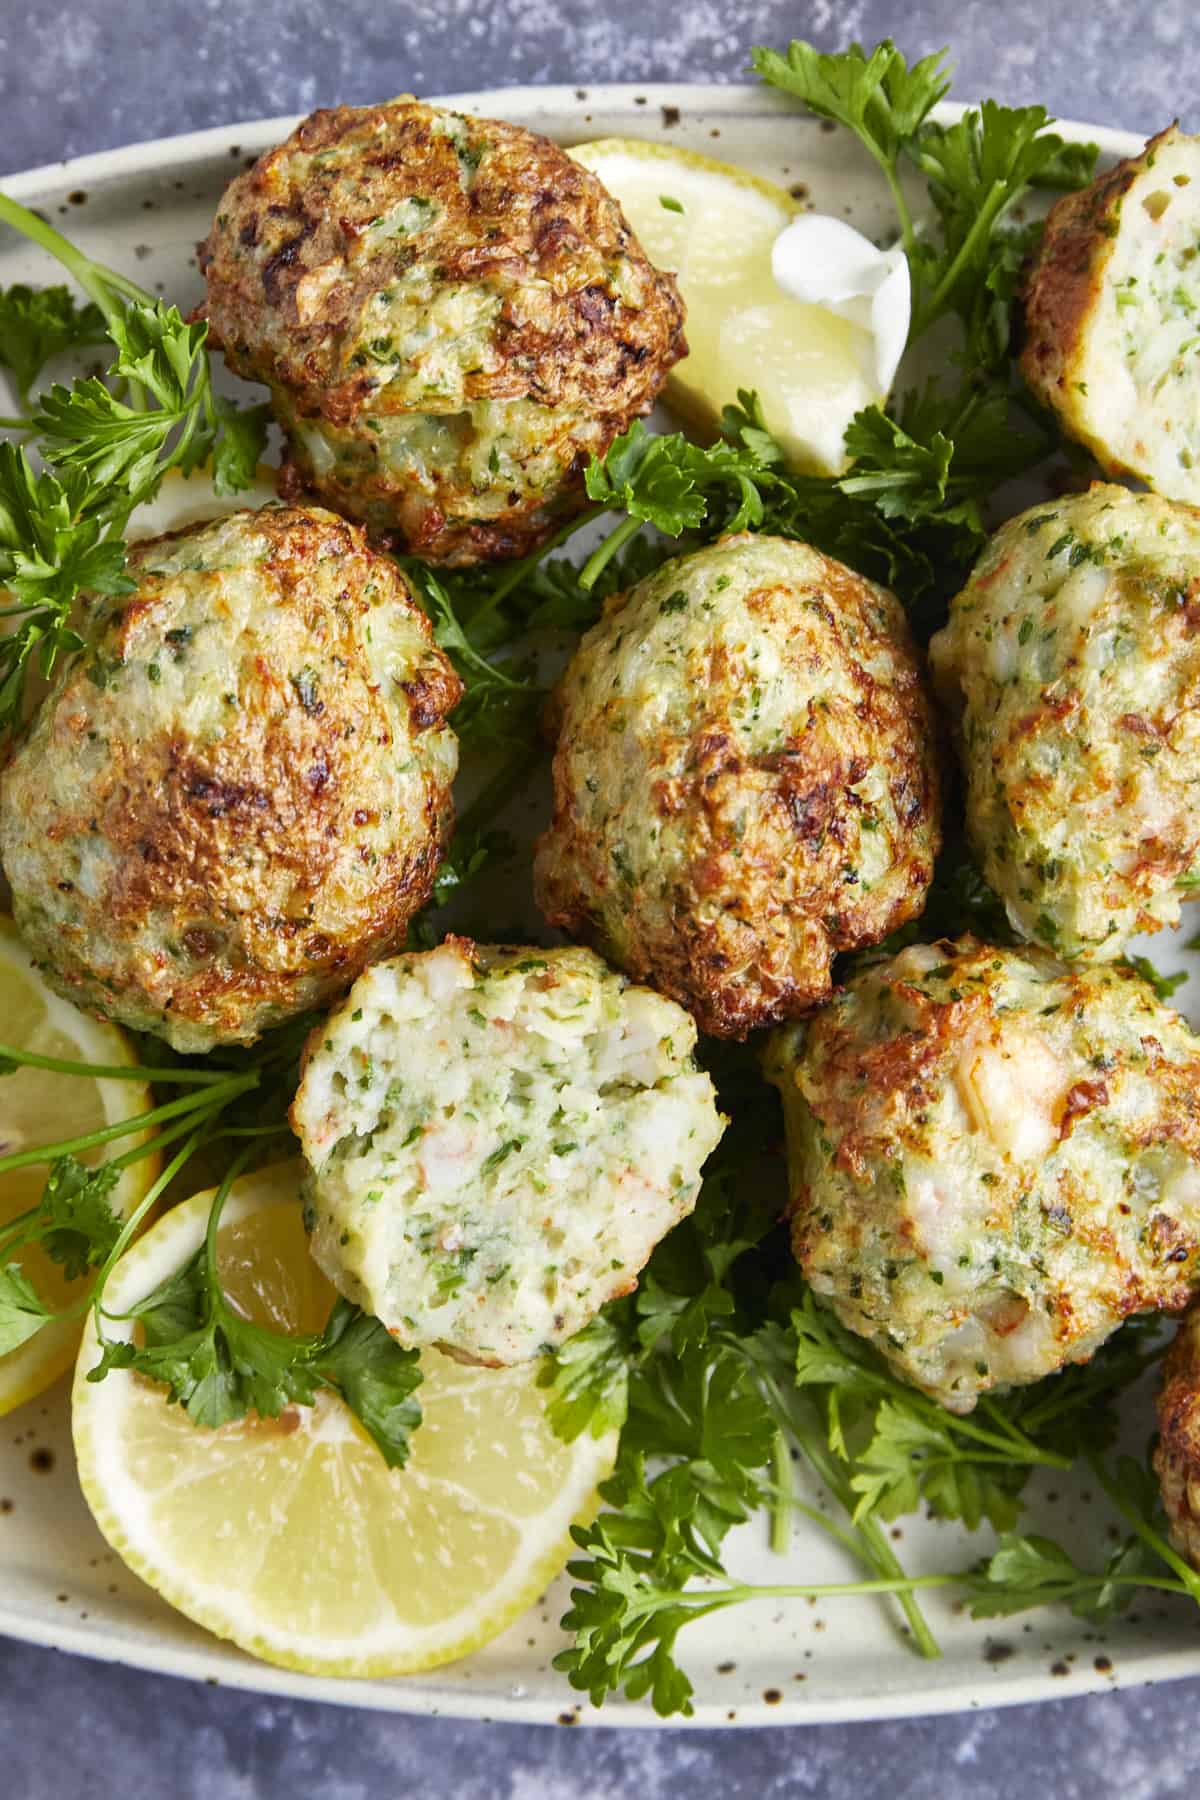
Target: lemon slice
291 1536
715 226
37 1107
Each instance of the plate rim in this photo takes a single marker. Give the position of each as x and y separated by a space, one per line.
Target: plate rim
420 1694
740 99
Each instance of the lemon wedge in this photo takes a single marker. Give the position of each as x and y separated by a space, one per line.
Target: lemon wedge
715 226
291 1536
38 1107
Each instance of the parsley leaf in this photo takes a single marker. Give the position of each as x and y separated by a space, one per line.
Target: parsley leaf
376 1378
73 1223
1164 985
37 324
650 477
215 1364
904 1449
497 704
589 1375
876 95
49 550
107 447
77 1225
240 446
87 429
745 424
977 169
22 1314
666 481
1035 1571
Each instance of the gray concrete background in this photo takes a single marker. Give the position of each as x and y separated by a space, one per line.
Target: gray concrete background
84 77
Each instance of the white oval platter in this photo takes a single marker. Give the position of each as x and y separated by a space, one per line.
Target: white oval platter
143 209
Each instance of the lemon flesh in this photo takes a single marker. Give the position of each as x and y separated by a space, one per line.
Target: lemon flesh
291 1536
37 1107
713 226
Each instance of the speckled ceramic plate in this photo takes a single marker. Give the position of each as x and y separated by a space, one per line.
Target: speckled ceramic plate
144 209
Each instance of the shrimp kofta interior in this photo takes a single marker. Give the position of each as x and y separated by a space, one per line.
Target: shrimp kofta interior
498 1137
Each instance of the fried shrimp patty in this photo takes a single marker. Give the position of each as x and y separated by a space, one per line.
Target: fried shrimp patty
1110 307
498 1138
744 780
995 1160
1073 657
239 789
1177 1456
450 314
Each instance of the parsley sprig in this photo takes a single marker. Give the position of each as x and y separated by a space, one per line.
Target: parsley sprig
219 1365
977 170
213 1362
105 445
723 1369
73 1221
1033 1570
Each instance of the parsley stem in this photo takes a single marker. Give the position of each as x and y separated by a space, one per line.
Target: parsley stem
252 1131
97 282
158 1187
968 253
160 1139
214 1217
870 1545
783 1499
604 552
708 1600
189 1103
841 1534
1030 1451
16 422
17 1230
129 289
1144 1530
877 1553
891 174
983 1591
60 1065
516 572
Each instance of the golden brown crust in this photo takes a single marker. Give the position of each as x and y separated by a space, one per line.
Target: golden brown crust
1064 280
1080 764
912 1068
717 857
511 290
532 216
1062 302
994 1159
1177 1456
